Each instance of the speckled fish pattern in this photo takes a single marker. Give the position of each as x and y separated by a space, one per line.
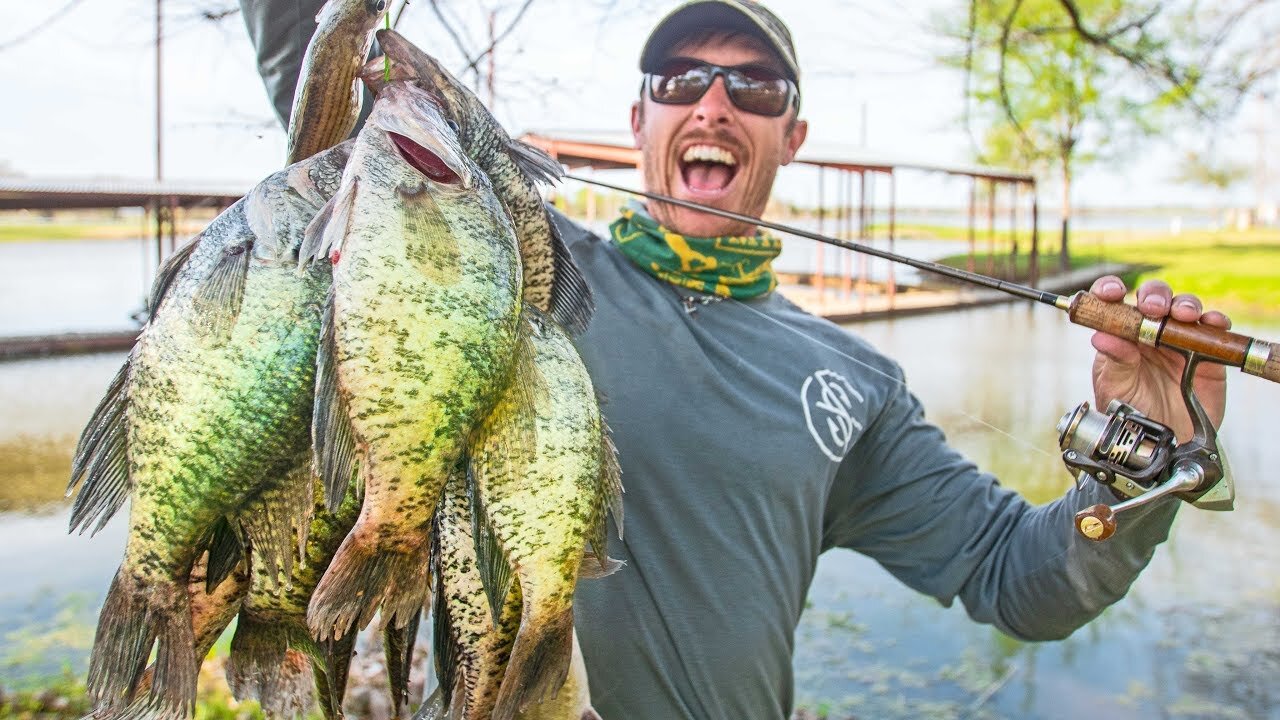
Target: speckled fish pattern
544 494
425 305
327 99
219 397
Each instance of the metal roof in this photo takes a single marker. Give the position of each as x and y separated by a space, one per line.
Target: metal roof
608 150
18 193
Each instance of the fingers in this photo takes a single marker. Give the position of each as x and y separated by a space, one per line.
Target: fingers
1109 288
1154 298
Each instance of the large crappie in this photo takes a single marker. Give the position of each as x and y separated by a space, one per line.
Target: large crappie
327 98
472 648
212 405
552 282
273 621
545 476
422 331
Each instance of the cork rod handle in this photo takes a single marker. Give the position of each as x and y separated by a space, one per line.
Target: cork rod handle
1128 322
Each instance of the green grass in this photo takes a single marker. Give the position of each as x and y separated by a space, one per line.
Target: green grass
1236 272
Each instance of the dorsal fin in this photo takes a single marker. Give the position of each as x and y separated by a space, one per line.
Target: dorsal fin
535 163
572 303
101 459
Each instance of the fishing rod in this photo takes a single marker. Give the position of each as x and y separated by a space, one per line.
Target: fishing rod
1138 458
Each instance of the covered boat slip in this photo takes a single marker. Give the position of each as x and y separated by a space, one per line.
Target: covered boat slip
828 281
850 207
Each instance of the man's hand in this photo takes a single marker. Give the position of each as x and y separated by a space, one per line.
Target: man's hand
1149 378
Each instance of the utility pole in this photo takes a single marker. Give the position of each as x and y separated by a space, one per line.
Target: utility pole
493 50
159 93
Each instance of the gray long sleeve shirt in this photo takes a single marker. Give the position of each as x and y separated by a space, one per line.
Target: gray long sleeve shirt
753 437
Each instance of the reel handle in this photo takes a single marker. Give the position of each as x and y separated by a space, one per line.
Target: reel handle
1254 356
1097 522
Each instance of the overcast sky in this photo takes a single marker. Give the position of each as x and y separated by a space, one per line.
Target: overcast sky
79 91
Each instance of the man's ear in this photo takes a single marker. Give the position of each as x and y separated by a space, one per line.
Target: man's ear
794 140
637 120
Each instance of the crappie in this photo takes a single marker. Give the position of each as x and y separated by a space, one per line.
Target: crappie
552 282
327 99
424 308
471 649
273 621
212 610
274 659
545 476
213 405
573 701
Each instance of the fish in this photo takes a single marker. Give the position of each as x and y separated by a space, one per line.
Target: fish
552 281
418 336
545 478
272 623
212 406
471 645
212 609
573 701
328 97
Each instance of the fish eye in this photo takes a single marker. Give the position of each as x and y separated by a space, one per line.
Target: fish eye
382 5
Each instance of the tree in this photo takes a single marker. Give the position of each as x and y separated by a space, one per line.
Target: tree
1053 85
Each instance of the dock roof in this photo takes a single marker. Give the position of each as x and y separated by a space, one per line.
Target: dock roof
610 150
18 193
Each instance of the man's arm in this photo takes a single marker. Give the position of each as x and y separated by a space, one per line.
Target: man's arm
914 504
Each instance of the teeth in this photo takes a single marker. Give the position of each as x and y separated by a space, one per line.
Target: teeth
709 153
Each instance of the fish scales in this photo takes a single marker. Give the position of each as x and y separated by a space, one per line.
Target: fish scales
328 97
218 392
544 495
551 281
273 621
471 647
425 306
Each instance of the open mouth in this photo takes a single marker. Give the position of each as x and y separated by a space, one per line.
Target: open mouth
708 169
424 161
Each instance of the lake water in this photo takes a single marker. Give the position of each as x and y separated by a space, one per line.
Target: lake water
1198 635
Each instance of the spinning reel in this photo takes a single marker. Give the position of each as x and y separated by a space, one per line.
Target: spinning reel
1141 459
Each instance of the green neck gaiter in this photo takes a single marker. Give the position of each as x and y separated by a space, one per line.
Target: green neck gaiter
730 266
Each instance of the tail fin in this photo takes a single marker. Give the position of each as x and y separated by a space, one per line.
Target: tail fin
361 577
538 666
433 707
398 644
331 676
135 616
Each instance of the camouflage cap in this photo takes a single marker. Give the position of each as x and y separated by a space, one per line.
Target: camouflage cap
744 16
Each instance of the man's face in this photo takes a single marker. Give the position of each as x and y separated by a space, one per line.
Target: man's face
684 148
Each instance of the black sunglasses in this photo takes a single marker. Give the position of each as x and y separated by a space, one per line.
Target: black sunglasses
754 88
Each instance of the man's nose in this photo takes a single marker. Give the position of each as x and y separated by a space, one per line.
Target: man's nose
714 107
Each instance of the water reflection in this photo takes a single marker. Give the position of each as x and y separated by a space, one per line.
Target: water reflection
1207 608
1196 636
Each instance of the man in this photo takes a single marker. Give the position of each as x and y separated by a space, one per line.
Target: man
734 484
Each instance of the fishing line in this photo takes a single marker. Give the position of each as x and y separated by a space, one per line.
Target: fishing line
1029 293
386 59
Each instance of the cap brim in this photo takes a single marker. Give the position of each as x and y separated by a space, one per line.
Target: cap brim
711 15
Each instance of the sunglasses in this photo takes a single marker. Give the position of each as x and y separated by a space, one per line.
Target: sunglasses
754 88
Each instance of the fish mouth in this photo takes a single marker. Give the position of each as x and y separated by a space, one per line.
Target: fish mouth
707 170
413 122
425 161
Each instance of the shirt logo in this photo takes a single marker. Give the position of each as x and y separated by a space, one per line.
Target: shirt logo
828 400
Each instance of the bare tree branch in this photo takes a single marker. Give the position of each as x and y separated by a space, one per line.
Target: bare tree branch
39 27
473 65
453 33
